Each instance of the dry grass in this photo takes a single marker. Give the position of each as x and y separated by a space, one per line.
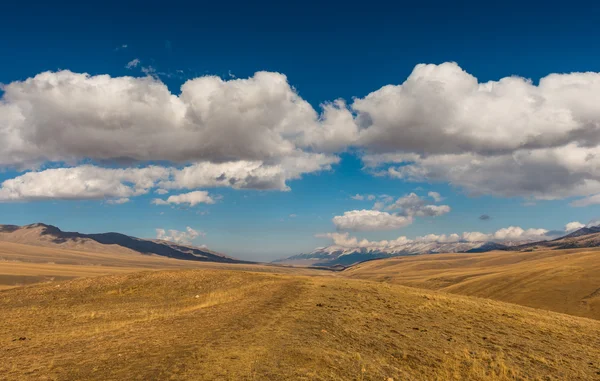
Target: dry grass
238 325
566 281
25 264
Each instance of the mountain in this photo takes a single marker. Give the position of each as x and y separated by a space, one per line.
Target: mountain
334 255
50 236
584 237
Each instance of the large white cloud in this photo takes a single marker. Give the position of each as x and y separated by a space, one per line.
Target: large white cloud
83 182
254 133
88 182
66 116
365 220
509 137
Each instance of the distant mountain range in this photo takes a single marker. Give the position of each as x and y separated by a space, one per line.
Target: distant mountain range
339 256
51 236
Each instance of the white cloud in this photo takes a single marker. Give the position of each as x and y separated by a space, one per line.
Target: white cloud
363 220
435 196
191 198
572 226
81 183
414 205
518 233
507 138
345 240
79 116
358 197
181 237
93 182
133 63
118 201
586 201
293 215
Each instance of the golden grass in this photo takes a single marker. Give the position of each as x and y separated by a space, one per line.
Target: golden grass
25 264
565 281
237 325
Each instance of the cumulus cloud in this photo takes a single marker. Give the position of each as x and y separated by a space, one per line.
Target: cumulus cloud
182 237
365 220
358 197
81 183
414 205
88 182
572 226
191 198
518 233
345 240
66 116
507 138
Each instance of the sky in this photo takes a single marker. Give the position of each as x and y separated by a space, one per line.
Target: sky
264 130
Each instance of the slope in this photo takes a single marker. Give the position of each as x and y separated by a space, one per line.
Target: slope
51 236
565 281
223 325
26 264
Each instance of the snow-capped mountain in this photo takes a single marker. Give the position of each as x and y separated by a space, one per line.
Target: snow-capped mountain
336 255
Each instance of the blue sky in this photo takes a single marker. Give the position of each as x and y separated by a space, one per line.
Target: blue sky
326 51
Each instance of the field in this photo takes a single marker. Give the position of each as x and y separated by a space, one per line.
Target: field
255 322
565 281
25 264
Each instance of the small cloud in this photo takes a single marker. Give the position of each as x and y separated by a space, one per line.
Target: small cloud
149 70
161 191
133 63
118 201
122 47
231 75
435 196
485 217
189 199
358 197
293 215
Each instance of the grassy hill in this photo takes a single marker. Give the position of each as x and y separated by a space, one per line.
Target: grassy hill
565 281
26 264
238 325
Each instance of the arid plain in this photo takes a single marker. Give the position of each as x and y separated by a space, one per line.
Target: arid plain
147 317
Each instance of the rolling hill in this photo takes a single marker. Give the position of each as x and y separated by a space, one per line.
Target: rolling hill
565 281
50 236
236 325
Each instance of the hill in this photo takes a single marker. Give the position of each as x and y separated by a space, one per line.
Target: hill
584 237
51 236
27 264
226 325
565 281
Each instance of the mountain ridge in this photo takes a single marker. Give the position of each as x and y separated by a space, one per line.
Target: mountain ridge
40 234
335 255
